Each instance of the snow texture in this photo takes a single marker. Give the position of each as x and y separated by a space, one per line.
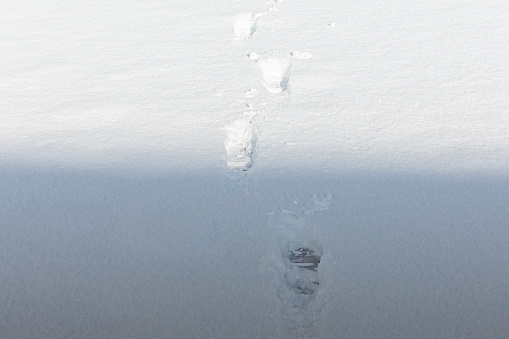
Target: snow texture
254 169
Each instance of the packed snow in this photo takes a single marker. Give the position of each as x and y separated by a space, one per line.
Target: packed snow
254 169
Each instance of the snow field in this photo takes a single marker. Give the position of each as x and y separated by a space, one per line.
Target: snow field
296 170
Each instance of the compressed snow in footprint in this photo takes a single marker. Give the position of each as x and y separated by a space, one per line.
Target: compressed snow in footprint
239 144
244 25
301 252
301 274
276 73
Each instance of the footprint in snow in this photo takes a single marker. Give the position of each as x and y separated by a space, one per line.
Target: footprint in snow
300 256
244 24
301 252
299 271
239 144
276 73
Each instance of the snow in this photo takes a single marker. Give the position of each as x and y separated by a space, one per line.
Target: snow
170 169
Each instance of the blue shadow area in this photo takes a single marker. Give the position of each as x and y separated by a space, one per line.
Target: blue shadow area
105 255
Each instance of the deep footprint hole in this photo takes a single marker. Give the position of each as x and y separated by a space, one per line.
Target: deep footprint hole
303 275
305 258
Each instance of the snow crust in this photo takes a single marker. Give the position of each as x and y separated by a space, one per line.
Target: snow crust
254 169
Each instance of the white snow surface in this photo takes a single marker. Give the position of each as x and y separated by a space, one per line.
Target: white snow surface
165 166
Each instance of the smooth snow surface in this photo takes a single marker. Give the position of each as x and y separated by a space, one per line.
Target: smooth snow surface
254 169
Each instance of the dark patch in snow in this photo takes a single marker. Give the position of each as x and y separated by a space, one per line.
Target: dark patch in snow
302 276
305 258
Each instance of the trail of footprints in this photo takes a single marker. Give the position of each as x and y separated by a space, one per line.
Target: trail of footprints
301 250
275 73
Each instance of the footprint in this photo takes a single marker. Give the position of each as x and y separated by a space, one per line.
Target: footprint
276 73
239 144
244 25
301 254
301 274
